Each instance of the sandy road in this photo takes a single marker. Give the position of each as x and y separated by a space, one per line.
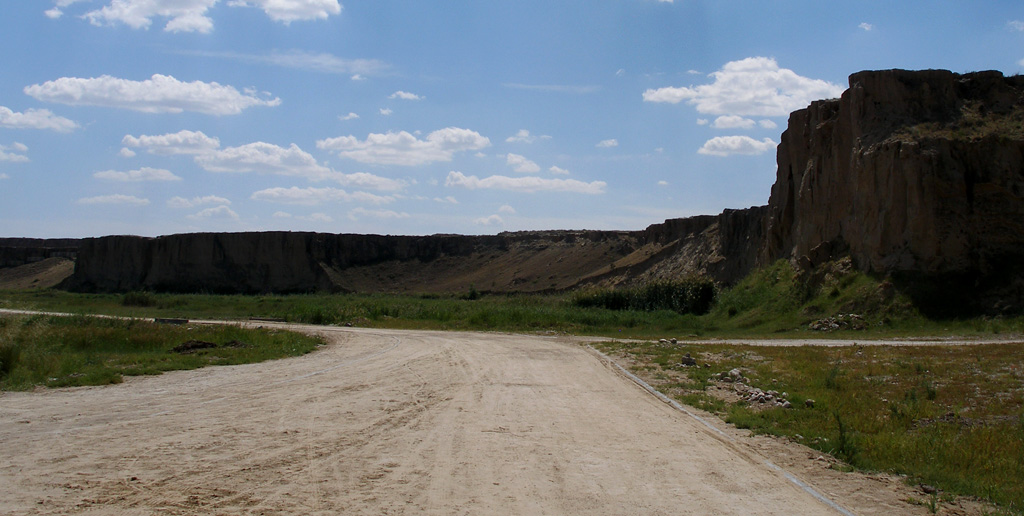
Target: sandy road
388 422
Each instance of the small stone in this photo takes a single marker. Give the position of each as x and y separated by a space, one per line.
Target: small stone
787 404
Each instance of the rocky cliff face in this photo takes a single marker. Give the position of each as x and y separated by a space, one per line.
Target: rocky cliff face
15 252
908 171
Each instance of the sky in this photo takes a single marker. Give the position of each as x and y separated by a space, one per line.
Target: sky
408 117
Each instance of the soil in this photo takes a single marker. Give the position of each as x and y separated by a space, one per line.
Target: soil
408 422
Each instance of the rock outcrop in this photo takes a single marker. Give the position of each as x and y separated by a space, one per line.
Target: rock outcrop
908 171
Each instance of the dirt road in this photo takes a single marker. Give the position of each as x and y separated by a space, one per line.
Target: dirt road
392 422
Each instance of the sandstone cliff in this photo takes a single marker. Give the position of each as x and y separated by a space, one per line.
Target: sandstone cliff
908 171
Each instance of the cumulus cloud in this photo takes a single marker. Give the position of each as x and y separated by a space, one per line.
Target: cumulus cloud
529 184
729 145
662 183
1016 25
605 144
35 119
158 94
181 202
314 196
493 220
702 121
58 8
403 148
217 212
350 116
386 112
404 95
767 124
181 142
360 213
755 86
558 171
129 200
521 164
446 200
732 122
507 209
265 158
191 15
16 154
865 26
134 176
524 136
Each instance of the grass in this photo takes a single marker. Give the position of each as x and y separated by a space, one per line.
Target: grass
947 416
54 351
774 302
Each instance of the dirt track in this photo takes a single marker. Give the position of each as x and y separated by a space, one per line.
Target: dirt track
390 422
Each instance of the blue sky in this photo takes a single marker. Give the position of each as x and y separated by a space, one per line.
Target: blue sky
154 117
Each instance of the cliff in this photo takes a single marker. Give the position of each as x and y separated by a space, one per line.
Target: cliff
918 173
915 175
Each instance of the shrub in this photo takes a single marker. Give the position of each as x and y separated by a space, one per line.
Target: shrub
140 299
693 295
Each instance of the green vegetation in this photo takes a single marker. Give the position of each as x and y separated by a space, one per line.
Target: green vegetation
947 416
693 295
772 302
58 351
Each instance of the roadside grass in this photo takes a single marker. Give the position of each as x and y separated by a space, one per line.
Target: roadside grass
54 351
774 302
947 416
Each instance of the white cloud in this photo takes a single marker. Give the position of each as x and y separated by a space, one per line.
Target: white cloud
702 121
287 11
17 154
181 142
447 200
767 124
133 176
58 8
367 180
866 26
662 183
729 145
403 148
524 136
217 212
4 176
317 62
605 144
181 202
755 86
265 158
358 77
558 171
404 95
493 220
130 200
732 122
350 116
529 184
358 213
507 209
1016 25
386 111
35 119
125 152
521 164
314 196
190 15
158 94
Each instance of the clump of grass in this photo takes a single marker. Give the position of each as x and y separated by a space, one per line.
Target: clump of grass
139 298
694 295
69 351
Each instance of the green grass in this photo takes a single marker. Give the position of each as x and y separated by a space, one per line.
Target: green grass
948 416
57 351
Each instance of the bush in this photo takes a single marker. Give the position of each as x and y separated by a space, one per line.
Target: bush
141 299
693 295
